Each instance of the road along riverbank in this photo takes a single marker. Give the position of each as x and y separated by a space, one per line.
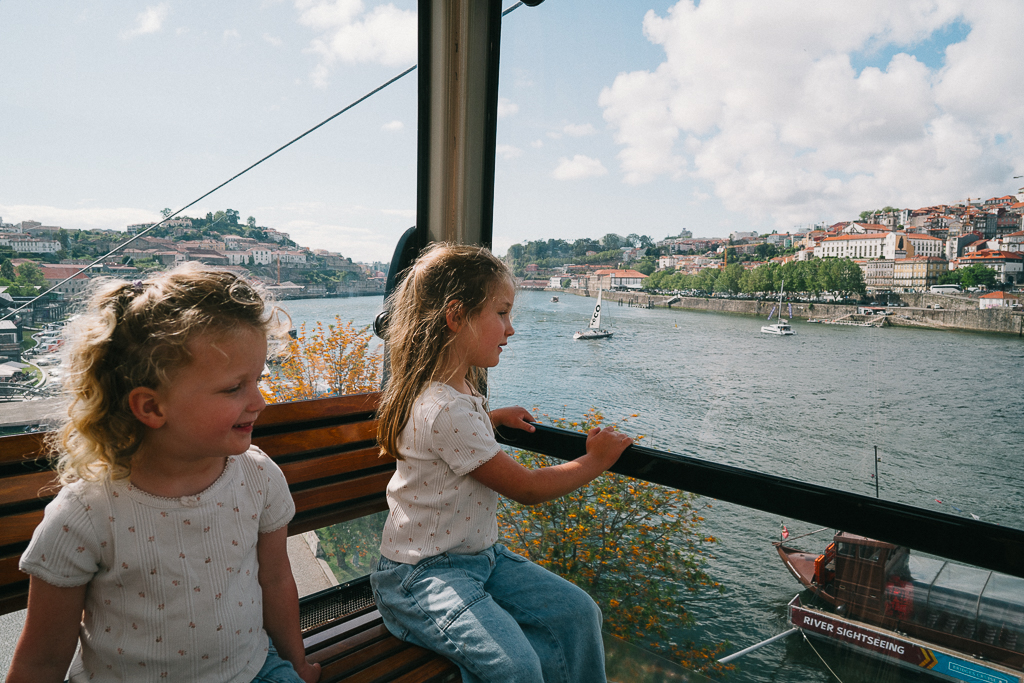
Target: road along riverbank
956 312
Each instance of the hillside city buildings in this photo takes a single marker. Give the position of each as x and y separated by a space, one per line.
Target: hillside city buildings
897 250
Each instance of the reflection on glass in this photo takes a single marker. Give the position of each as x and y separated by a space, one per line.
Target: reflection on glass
351 549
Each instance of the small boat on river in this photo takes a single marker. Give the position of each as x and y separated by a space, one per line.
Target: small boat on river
957 622
554 299
594 331
781 326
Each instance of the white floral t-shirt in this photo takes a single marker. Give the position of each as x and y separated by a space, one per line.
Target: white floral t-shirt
436 507
173 588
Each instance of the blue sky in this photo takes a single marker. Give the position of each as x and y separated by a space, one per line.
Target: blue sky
615 117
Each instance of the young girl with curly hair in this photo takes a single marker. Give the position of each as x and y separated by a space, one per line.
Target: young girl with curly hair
164 553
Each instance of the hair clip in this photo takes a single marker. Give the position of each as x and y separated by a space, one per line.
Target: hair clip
137 285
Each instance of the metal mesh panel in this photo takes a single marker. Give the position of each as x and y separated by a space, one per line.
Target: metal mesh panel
338 603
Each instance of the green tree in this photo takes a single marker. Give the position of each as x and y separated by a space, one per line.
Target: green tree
637 548
612 241
849 279
251 222
729 279
30 274
977 275
166 212
646 265
7 270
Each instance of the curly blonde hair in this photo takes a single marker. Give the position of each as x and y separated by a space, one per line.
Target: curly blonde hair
136 334
419 342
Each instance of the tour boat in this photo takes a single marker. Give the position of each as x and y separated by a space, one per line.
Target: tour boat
780 326
957 622
594 330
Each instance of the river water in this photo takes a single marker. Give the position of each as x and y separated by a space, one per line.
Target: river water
943 408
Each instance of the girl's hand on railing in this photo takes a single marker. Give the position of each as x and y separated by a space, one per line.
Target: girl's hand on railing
606 445
513 417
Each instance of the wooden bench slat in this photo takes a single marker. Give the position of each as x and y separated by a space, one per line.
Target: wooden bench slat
291 443
301 471
19 528
22 447
360 658
350 489
318 409
437 670
9 572
24 487
326 653
378 662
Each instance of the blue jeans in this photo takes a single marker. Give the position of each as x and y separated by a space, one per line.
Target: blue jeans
497 615
276 670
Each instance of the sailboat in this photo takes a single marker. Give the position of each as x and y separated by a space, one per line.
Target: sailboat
594 330
780 326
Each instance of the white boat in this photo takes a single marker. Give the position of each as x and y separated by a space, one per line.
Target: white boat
780 326
594 330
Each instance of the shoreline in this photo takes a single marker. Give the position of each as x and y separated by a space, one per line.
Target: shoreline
957 313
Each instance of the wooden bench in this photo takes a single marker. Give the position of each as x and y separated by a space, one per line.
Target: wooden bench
327 450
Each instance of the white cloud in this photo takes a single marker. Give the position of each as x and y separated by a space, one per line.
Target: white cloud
150 20
578 167
579 130
95 218
231 33
507 107
348 33
403 213
273 40
763 102
508 151
393 126
537 144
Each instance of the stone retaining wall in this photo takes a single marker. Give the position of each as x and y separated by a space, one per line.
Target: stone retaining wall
957 312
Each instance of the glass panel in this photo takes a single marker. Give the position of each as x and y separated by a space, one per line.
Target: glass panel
647 120
351 549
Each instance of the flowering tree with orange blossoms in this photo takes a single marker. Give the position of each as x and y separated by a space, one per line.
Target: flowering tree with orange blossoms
332 360
637 548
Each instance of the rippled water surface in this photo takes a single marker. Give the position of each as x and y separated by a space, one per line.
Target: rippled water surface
944 409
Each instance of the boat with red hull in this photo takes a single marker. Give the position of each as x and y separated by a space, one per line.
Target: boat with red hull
957 622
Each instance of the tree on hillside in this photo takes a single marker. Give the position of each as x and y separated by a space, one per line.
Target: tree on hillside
581 246
30 274
612 241
646 265
166 212
7 270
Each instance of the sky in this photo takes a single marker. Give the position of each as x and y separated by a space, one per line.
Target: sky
625 117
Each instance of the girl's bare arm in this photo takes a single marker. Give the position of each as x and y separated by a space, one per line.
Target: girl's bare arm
530 487
50 636
281 602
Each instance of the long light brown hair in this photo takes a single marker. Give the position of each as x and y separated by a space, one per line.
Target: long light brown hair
445 277
136 334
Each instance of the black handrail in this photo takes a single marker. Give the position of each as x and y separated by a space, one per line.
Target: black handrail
970 541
